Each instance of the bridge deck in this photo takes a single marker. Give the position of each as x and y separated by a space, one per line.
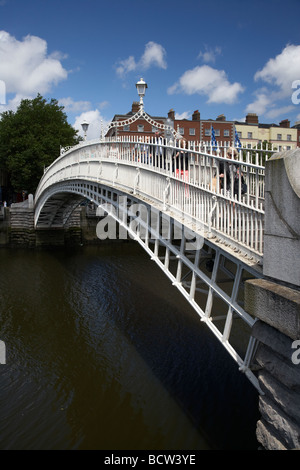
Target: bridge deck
182 186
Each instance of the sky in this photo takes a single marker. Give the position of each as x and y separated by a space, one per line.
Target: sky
226 57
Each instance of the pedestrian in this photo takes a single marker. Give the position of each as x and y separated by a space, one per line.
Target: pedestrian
182 161
227 171
160 151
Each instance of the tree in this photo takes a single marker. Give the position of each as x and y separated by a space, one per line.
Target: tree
258 154
30 140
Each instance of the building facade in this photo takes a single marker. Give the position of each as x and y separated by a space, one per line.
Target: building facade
224 131
281 135
251 132
297 127
139 127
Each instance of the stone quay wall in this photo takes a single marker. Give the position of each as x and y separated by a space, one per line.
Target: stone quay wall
17 228
277 329
275 302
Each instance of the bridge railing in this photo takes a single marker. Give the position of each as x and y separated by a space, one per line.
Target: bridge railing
203 183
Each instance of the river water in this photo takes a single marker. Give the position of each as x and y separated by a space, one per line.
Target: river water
102 352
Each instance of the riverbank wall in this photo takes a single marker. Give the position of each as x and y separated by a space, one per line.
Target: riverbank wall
275 303
17 228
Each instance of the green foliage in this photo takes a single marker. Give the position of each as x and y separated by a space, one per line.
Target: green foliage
258 154
30 140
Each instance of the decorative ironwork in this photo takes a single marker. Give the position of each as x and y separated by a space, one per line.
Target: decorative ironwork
141 114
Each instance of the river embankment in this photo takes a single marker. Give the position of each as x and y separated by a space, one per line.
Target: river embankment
17 228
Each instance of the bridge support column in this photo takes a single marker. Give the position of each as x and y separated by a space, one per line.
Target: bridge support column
22 230
275 302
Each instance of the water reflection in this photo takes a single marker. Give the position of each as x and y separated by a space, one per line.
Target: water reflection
103 353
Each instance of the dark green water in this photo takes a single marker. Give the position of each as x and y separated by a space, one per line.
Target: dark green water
102 352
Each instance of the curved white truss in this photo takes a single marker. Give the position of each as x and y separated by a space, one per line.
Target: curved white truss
147 174
179 251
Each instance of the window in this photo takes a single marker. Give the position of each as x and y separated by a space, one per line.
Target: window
279 136
154 129
226 132
126 128
217 132
192 131
207 132
289 137
181 130
250 134
140 128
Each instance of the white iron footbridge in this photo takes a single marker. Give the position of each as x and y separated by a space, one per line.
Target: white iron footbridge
206 240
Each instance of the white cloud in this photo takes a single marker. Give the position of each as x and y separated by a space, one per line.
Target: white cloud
278 73
154 55
13 103
74 106
260 104
103 104
125 66
208 81
25 66
266 103
282 70
95 120
184 115
210 54
284 110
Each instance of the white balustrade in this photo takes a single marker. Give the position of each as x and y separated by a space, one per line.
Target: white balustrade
182 179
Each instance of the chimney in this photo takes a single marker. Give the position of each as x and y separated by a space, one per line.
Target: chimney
135 107
196 116
285 123
221 117
171 114
251 118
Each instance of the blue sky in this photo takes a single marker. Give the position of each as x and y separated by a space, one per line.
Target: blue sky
222 57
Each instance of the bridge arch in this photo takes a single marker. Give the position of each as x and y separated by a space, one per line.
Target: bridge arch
185 227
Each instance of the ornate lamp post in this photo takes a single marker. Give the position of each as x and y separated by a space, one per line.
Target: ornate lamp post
141 86
85 126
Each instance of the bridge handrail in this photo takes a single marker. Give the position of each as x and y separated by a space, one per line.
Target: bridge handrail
197 176
191 149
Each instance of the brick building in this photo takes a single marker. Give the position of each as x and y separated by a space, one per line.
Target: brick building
189 129
194 129
139 127
224 131
251 132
